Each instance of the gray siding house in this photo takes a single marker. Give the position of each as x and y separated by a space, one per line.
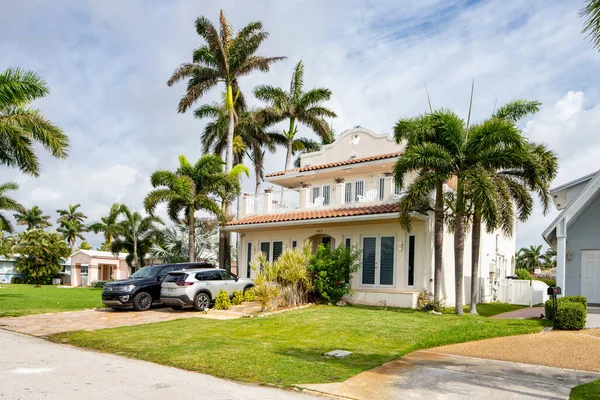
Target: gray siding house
575 234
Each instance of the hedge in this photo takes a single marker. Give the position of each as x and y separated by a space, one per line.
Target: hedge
570 316
571 299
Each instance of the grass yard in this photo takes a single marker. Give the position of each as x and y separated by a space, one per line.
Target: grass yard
489 309
17 300
287 348
589 391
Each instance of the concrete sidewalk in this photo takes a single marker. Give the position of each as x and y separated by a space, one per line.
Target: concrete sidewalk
31 368
429 375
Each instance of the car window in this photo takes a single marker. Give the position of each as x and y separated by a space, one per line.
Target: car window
208 276
176 278
166 270
226 275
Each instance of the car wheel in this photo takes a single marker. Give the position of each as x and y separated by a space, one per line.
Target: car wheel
247 288
142 301
201 302
176 307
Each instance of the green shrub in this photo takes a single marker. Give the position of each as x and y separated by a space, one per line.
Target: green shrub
238 298
17 280
565 299
332 270
98 284
570 315
522 273
222 301
549 282
249 295
425 302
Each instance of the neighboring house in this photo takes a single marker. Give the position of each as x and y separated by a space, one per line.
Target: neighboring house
575 234
345 195
8 270
88 266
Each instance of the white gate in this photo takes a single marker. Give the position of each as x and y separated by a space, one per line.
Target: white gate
523 292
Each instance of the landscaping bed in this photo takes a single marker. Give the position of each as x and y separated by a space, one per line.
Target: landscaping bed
286 349
18 300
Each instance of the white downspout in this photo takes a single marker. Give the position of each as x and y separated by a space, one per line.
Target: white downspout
561 254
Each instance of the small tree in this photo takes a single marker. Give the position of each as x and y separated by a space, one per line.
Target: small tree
332 271
40 254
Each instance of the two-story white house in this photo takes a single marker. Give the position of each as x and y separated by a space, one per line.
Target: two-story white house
345 195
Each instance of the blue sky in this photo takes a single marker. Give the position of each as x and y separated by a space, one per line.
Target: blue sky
107 63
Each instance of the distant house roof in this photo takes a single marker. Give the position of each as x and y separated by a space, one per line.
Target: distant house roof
336 164
317 214
101 254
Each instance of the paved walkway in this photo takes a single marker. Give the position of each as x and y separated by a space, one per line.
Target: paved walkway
429 375
522 313
593 318
89 320
31 368
564 349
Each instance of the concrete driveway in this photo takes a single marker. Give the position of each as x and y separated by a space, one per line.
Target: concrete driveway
89 320
31 368
429 375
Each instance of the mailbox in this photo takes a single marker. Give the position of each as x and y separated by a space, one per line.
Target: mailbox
554 291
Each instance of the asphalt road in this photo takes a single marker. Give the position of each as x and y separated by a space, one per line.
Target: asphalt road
32 368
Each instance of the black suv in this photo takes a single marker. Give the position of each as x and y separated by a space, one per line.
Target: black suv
142 289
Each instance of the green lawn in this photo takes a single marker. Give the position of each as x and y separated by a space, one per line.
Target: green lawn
489 309
17 300
287 348
589 391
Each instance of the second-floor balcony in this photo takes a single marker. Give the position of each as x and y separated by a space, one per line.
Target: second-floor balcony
351 193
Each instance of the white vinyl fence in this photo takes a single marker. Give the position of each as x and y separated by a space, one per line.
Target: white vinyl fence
523 292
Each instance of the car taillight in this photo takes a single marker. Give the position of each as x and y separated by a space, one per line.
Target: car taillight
184 283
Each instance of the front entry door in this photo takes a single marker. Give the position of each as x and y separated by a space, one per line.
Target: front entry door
590 275
378 262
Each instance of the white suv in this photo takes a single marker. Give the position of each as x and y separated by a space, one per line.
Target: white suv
198 287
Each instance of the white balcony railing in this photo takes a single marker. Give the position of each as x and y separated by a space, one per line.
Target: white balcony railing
351 193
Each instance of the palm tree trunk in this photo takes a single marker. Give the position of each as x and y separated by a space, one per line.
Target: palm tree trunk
225 237
290 150
192 235
459 248
475 242
135 255
438 241
259 188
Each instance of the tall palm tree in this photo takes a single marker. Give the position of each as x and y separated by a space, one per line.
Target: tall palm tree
34 218
189 189
9 204
135 234
592 24
296 106
21 126
71 230
174 247
107 225
71 214
226 57
510 188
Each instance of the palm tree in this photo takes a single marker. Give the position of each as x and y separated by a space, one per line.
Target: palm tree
592 24
21 126
296 106
34 218
135 234
309 145
225 57
9 204
107 225
530 258
71 214
549 258
251 137
174 247
188 189
71 230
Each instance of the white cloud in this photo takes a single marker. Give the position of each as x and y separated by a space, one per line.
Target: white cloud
107 64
